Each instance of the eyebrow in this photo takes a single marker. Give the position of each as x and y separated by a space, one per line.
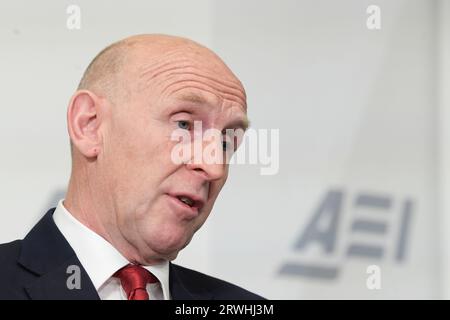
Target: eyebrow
243 123
192 97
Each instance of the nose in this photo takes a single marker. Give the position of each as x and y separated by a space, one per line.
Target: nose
212 168
211 171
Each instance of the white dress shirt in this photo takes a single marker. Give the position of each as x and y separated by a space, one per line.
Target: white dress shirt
101 260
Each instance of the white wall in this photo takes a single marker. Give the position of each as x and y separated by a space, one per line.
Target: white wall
443 91
356 112
356 109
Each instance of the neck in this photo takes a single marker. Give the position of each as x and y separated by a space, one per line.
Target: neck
86 199
80 202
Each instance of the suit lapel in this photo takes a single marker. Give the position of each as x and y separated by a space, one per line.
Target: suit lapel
184 289
67 281
47 254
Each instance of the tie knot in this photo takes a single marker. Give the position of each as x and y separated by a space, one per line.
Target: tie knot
134 281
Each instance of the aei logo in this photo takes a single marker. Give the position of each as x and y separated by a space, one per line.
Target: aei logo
377 228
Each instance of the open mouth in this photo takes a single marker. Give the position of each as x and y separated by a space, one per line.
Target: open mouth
186 200
188 206
189 201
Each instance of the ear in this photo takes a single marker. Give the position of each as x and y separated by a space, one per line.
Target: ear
83 122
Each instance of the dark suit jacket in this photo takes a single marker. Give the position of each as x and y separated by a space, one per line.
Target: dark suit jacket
36 268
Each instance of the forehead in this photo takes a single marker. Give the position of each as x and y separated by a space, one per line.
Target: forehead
198 68
195 77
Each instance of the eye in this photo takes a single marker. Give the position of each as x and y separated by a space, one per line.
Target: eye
224 145
227 145
185 125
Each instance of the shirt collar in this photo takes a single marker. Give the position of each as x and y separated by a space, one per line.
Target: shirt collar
97 256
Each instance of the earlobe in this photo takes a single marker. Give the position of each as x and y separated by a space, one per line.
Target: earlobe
83 123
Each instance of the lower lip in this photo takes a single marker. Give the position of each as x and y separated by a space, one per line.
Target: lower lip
181 207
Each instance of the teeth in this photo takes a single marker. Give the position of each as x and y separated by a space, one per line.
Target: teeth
187 201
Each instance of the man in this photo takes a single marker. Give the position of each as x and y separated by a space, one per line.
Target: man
130 208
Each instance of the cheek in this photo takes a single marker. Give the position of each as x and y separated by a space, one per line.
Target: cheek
142 152
137 166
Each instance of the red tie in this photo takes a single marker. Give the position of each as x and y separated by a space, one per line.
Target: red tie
134 281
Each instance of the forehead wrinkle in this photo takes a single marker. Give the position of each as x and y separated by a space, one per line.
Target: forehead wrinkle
162 72
201 100
165 70
221 95
189 70
150 71
226 91
231 86
183 54
171 57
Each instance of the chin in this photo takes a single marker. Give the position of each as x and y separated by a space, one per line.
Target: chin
168 244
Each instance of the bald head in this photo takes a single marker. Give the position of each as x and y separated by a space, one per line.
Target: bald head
106 74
